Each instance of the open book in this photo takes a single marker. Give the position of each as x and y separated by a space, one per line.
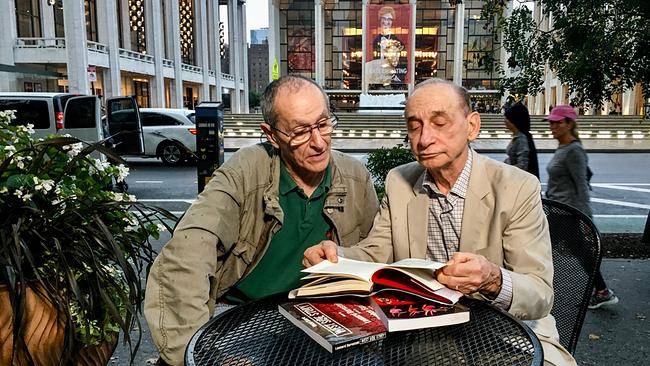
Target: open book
352 277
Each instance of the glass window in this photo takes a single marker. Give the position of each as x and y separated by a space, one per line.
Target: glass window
479 55
80 113
434 24
297 39
28 18
90 8
35 112
343 46
59 29
150 119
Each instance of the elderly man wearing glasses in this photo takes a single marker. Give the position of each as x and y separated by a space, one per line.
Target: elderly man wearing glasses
245 235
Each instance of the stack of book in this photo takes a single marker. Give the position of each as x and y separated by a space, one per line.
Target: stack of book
352 302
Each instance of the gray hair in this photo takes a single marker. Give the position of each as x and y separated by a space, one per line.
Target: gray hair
294 82
462 93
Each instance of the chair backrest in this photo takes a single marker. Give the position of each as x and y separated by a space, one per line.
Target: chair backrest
575 241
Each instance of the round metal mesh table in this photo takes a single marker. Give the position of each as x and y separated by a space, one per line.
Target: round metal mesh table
257 334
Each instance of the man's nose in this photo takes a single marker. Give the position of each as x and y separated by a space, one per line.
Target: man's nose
428 135
317 140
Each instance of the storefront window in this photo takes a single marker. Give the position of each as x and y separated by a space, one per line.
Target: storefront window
434 40
479 55
297 38
343 47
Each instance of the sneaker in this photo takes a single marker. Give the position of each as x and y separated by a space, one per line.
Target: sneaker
601 298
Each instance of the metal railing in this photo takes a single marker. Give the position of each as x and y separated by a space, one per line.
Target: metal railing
39 42
97 47
137 56
191 68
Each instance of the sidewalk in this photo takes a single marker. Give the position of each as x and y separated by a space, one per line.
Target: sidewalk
615 335
619 334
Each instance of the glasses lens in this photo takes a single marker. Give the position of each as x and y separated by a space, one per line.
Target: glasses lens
302 135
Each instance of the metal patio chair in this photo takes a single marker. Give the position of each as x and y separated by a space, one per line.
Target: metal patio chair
575 242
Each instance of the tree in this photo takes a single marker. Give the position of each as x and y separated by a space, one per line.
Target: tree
253 99
596 47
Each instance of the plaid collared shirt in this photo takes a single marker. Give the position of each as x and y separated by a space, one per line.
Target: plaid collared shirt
445 215
445 218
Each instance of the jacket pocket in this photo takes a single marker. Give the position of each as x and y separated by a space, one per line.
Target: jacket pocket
244 251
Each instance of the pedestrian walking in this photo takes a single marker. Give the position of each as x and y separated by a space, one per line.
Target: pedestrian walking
568 181
521 150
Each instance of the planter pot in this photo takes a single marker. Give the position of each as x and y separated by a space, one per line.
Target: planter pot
44 335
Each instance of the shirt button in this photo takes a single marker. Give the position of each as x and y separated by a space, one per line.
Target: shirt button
339 200
330 210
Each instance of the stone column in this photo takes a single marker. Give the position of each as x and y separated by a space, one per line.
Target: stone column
175 35
364 47
7 41
108 34
47 20
235 54
244 57
459 34
411 49
202 43
76 46
274 36
155 47
319 30
215 64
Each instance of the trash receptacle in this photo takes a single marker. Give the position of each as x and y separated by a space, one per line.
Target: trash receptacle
209 140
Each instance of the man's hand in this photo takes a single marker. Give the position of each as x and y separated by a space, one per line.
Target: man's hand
470 273
326 249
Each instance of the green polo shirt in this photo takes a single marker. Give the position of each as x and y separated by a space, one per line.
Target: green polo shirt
304 225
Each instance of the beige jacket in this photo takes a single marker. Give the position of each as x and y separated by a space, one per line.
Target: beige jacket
503 220
226 231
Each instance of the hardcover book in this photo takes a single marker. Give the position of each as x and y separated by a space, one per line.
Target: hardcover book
401 311
336 325
352 277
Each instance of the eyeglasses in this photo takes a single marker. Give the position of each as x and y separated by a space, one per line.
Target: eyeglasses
302 134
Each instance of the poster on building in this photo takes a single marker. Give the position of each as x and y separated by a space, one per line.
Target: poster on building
300 55
387 45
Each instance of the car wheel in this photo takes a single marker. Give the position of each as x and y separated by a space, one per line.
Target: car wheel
172 153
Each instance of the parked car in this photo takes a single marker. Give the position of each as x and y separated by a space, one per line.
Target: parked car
53 113
169 134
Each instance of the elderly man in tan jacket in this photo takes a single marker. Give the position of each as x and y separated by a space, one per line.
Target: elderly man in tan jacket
482 217
245 236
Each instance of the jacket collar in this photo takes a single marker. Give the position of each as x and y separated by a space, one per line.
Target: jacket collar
478 208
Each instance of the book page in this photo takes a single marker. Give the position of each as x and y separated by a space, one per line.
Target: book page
349 267
418 263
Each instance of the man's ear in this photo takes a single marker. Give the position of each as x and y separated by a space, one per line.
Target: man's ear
268 131
473 125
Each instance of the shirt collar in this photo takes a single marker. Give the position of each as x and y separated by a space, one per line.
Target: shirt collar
460 186
287 184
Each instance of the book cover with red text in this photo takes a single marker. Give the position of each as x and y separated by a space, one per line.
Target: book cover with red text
336 324
401 311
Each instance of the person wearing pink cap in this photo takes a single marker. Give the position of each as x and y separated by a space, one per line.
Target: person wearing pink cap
568 182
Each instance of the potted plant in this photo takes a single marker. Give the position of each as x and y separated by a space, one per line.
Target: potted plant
382 160
70 248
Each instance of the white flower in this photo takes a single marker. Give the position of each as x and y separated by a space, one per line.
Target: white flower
75 149
27 197
29 128
45 185
161 228
18 193
118 197
130 228
20 164
35 180
4 190
131 198
123 172
10 148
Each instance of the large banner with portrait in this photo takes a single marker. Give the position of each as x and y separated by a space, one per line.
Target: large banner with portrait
388 42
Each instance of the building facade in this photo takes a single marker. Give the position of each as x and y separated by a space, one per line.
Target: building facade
258 67
383 47
165 52
374 47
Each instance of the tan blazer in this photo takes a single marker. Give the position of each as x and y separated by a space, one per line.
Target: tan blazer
503 220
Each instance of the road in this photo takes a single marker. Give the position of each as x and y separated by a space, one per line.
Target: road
620 197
